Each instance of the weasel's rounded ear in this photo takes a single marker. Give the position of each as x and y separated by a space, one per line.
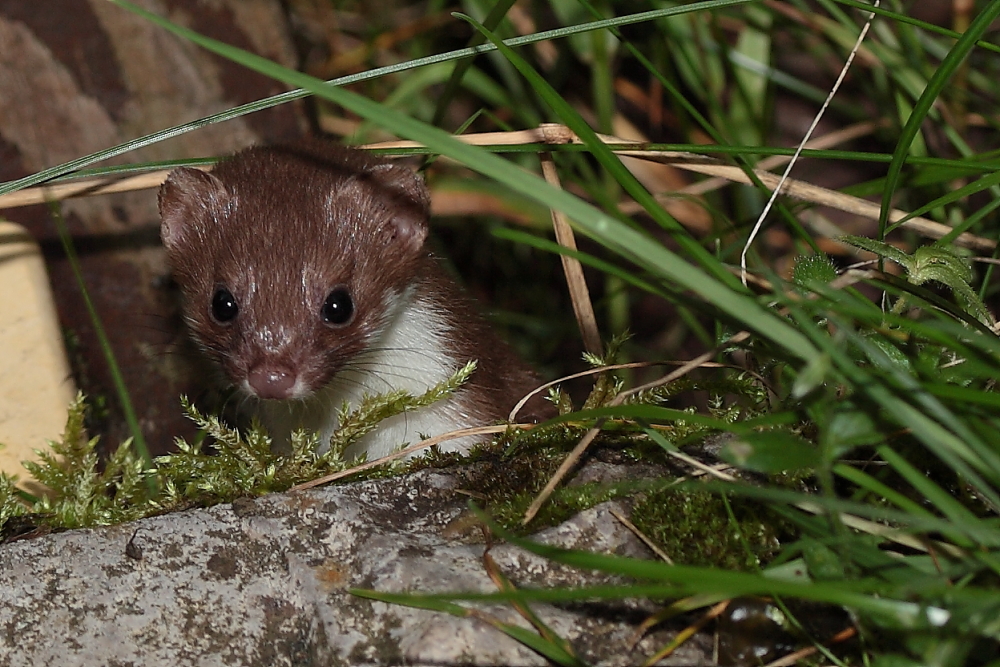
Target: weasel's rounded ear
186 199
409 201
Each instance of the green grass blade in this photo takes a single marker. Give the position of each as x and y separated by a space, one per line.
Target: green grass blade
909 20
524 238
548 648
982 531
121 390
944 501
872 485
492 20
941 78
658 415
685 580
957 194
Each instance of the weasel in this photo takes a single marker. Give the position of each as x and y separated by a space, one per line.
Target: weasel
305 276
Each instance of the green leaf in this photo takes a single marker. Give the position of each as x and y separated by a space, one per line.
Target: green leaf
810 269
770 452
848 427
812 376
880 248
824 564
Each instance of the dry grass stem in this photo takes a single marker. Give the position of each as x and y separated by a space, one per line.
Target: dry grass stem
825 197
575 280
641 535
423 444
713 471
84 187
688 632
881 530
827 141
801 654
590 371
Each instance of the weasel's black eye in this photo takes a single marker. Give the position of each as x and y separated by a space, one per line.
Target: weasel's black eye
338 307
224 307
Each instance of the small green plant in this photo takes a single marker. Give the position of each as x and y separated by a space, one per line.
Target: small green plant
940 264
810 269
82 493
226 465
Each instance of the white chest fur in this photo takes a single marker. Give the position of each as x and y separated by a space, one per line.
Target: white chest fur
409 354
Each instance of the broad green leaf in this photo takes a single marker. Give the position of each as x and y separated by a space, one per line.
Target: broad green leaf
770 452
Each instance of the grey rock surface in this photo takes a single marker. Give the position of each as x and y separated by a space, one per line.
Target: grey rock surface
264 582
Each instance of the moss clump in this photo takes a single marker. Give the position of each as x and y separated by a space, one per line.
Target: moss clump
695 528
10 505
509 486
83 491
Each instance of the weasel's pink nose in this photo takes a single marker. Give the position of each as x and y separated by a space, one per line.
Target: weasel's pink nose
271 381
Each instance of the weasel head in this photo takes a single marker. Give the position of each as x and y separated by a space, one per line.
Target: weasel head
288 259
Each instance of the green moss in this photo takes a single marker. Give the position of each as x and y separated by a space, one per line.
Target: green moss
694 528
509 484
83 492
10 504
